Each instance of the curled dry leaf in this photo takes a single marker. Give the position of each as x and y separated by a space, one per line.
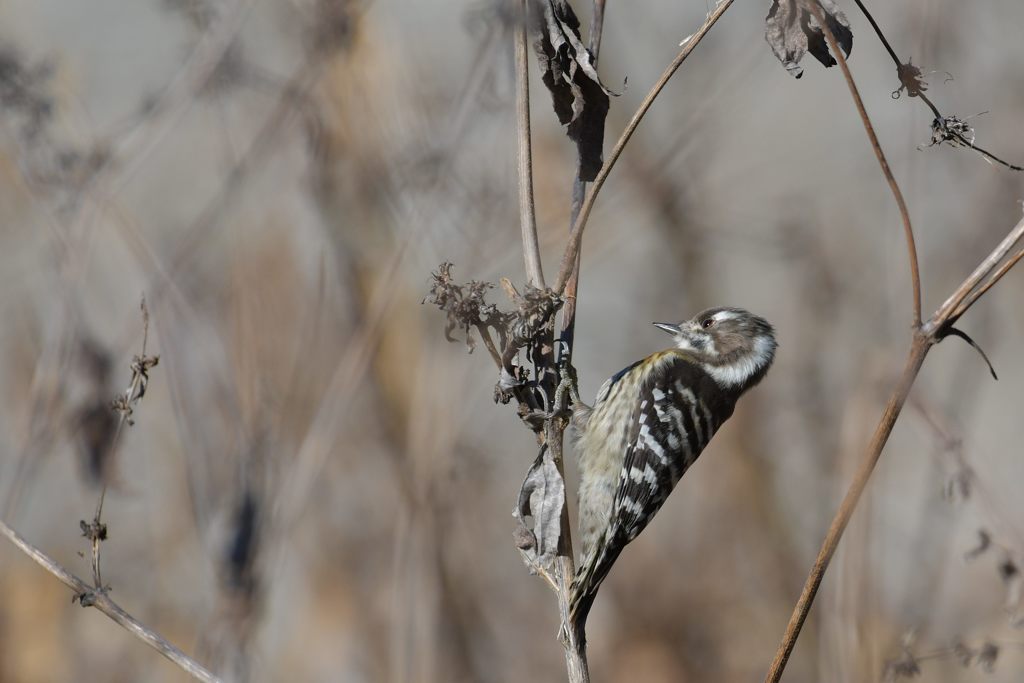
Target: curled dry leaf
911 80
792 30
568 70
540 501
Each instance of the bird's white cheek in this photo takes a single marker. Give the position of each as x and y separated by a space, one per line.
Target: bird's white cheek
683 344
709 346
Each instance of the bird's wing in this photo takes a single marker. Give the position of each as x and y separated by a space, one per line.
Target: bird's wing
678 409
669 428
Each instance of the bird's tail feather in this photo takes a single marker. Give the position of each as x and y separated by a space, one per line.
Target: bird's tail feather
585 585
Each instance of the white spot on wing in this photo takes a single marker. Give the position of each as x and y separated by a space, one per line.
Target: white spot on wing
692 401
629 505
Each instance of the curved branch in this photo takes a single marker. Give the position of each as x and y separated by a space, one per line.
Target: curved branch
908 231
576 236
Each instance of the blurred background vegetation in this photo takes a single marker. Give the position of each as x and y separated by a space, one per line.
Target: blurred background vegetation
318 487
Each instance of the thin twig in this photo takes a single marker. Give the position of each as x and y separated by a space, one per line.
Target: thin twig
575 238
527 214
104 604
901 70
908 231
878 31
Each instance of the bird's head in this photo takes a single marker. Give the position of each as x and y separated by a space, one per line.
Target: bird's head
732 345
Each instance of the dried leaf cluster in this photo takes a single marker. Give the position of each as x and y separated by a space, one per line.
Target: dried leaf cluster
529 327
465 307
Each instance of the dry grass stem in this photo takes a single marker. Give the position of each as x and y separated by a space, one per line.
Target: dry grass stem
925 336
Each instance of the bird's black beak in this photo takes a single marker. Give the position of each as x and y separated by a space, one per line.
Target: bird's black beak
668 327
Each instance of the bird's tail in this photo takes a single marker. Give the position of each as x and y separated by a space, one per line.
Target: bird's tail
592 572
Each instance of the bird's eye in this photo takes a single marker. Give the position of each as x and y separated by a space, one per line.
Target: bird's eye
708 323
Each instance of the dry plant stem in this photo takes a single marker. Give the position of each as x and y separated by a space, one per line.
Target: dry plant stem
110 608
579 193
925 336
527 215
978 293
575 238
918 351
575 652
928 334
986 275
915 275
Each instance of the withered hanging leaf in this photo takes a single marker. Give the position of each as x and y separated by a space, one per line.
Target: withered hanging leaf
792 31
568 70
541 498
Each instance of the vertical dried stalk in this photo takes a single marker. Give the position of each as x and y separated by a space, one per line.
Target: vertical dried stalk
564 570
575 652
527 215
926 336
579 193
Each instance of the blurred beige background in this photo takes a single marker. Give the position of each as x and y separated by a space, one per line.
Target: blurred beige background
317 486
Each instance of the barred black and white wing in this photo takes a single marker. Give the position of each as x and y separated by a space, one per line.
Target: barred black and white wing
677 410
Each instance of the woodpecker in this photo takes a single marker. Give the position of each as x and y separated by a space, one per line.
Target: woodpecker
649 423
